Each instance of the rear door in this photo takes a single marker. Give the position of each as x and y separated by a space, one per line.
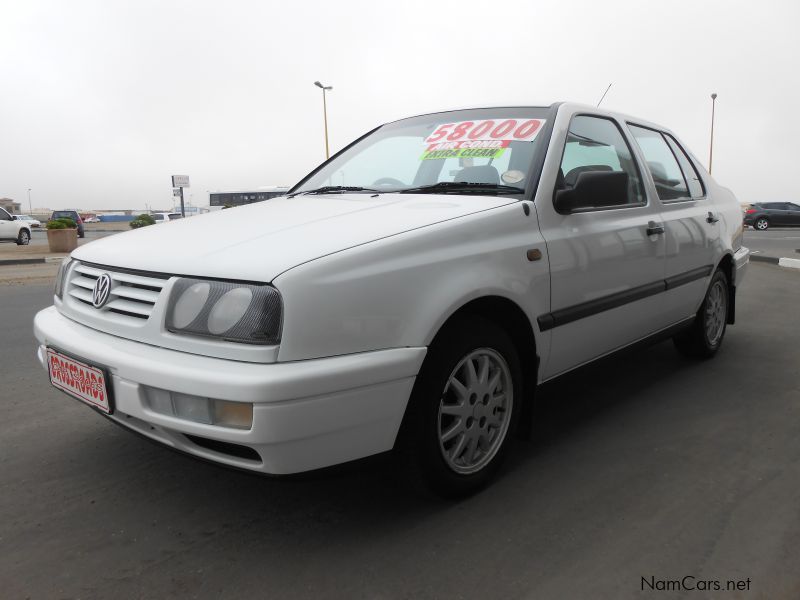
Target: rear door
691 225
606 270
792 214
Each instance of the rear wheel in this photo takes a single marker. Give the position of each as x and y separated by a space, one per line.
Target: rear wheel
762 224
465 403
704 337
24 237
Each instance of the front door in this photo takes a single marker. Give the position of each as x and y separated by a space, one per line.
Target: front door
8 226
606 264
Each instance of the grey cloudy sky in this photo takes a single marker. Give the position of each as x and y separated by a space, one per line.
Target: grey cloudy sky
100 102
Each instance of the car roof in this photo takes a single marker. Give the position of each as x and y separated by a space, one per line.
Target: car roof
577 106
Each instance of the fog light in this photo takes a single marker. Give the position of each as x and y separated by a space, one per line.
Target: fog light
233 414
192 408
201 410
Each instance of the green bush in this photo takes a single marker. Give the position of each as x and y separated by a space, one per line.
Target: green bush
62 223
142 221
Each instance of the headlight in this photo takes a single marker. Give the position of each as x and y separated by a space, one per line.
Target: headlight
236 312
62 274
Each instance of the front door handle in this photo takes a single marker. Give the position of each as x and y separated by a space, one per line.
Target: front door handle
711 218
654 228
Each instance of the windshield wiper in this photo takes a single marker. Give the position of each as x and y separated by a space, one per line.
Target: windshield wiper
334 189
461 187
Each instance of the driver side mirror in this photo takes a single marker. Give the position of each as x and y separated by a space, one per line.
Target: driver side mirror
593 189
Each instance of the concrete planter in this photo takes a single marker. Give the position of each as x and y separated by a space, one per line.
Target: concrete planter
62 240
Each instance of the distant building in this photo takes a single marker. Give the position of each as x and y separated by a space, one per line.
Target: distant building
11 206
245 197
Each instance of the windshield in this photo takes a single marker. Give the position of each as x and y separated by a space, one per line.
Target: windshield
481 151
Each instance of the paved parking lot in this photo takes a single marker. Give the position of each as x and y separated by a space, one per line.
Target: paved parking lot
643 466
774 242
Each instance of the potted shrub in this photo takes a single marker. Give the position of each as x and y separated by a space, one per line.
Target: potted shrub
62 235
142 221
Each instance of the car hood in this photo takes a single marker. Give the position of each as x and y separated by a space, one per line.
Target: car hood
260 241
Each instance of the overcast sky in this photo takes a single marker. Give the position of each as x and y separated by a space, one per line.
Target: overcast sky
100 102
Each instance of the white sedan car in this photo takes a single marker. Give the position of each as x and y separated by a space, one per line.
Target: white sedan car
408 294
13 229
35 223
165 217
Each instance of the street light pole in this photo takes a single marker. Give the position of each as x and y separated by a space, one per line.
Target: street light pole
30 206
711 146
325 88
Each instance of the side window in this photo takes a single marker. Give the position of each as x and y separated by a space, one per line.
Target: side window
667 175
690 174
597 144
4 216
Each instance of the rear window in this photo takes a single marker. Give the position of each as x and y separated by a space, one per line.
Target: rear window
667 175
689 172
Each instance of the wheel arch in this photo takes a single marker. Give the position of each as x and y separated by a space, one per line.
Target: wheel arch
726 265
509 316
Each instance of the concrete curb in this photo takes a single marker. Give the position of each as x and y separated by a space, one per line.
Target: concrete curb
789 263
31 261
766 259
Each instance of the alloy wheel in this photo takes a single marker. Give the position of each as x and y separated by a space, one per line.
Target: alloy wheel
475 411
716 312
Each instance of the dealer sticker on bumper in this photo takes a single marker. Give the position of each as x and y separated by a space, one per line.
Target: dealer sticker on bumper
78 379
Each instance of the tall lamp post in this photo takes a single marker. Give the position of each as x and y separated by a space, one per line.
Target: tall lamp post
325 88
30 206
711 147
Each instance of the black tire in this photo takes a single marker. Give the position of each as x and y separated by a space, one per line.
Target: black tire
489 428
704 338
761 224
23 237
81 234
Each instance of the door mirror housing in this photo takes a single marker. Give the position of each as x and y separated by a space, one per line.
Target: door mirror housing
593 189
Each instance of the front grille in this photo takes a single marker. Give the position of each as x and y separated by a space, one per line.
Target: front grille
131 297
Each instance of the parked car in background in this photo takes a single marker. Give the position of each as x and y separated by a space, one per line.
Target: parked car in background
90 218
70 214
763 215
463 258
165 217
13 229
29 219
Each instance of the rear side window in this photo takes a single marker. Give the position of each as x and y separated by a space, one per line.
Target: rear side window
667 175
596 144
691 175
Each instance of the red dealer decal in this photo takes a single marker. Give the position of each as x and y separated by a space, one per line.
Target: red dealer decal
487 138
88 383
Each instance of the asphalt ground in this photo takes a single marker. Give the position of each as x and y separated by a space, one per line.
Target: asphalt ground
777 243
645 465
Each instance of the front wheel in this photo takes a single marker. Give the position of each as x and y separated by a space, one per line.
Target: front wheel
465 403
761 224
24 237
704 337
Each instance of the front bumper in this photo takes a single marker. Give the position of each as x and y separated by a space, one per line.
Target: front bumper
306 414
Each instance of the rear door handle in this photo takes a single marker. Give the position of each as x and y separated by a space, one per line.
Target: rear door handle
711 218
654 228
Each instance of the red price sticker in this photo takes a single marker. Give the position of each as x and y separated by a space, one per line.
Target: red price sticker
508 130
